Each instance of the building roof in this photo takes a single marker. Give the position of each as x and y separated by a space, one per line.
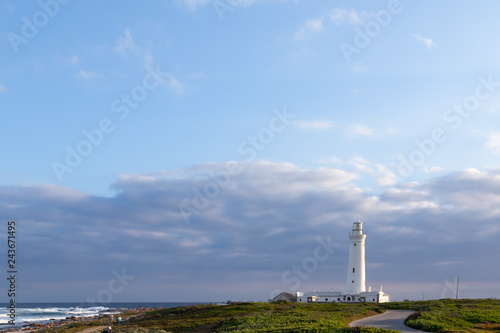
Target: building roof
323 294
284 296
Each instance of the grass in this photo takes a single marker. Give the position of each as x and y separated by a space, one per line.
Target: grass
448 315
255 317
442 316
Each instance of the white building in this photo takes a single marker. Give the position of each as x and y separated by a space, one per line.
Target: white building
356 267
356 283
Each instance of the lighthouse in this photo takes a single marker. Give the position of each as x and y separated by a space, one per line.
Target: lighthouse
356 283
356 268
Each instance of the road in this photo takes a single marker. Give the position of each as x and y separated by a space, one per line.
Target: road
391 320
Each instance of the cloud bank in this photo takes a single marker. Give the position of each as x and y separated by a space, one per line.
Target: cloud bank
267 220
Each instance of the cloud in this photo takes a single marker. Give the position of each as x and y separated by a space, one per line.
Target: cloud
87 75
361 165
336 15
429 43
493 142
383 176
357 130
194 4
257 225
176 86
126 45
432 169
392 131
314 125
3 89
386 177
310 27
341 15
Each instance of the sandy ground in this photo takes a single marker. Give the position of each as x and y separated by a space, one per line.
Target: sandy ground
391 320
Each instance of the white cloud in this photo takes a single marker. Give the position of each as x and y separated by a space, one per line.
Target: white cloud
357 130
87 75
493 142
264 220
432 169
176 86
383 175
126 45
429 43
315 125
309 28
194 4
2 88
340 15
392 131
386 177
360 164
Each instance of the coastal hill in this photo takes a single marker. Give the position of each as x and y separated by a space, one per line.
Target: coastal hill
466 315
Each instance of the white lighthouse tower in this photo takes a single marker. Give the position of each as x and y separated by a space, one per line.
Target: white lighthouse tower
356 267
356 283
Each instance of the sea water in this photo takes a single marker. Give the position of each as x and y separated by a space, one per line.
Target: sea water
27 313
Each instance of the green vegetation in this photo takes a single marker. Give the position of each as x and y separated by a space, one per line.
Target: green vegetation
448 315
442 316
255 317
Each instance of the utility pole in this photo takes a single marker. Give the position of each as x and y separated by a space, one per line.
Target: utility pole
458 281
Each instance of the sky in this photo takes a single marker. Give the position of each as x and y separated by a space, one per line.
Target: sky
212 150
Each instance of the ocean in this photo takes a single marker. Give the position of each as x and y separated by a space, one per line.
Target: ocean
27 313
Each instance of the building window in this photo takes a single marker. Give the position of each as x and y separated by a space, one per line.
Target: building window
352 281
374 299
326 299
353 269
348 299
354 244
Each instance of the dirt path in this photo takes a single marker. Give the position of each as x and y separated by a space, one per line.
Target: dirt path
391 320
93 329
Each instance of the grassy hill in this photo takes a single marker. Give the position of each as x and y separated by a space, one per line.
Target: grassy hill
441 316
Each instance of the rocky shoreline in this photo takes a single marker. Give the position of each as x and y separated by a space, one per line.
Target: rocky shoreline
75 320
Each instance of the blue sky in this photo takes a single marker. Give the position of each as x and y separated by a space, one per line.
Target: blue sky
205 145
